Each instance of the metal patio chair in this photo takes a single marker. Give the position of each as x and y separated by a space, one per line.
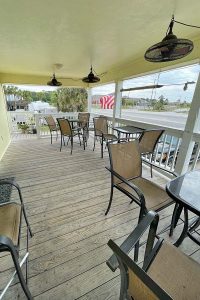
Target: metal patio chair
147 144
10 231
84 121
166 273
126 176
66 130
101 132
52 126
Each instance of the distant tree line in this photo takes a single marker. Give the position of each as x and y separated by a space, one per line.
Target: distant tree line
160 104
65 99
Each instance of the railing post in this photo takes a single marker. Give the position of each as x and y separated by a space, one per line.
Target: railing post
37 124
89 92
118 101
192 125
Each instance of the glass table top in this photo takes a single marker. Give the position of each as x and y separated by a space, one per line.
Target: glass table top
185 189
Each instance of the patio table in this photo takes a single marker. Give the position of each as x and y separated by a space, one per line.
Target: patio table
128 130
185 190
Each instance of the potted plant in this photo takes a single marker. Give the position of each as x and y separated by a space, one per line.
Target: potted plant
24 127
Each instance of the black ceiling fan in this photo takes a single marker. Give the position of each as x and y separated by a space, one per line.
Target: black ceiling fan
91 78
54 81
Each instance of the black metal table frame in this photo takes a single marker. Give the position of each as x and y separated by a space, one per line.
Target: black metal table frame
188 228
128 130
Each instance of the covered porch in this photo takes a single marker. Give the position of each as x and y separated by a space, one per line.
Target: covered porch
66 197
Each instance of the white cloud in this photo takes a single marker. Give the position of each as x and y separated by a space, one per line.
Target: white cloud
35 88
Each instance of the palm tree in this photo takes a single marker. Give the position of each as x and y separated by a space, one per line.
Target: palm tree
71 99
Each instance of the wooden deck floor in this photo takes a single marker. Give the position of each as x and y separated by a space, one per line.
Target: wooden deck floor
66 197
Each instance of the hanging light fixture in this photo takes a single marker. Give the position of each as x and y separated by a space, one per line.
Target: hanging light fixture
171 47
54 81
91 78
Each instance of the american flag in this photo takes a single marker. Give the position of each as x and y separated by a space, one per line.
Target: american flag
107 102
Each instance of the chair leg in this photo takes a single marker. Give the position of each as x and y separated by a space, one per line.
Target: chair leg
20 275
137 245
51 136
94 142
79 138
84 140
110 201
101 141
71 144
61 138
11 248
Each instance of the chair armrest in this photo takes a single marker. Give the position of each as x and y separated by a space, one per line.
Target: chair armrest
152 219
13 183
158 167
131 185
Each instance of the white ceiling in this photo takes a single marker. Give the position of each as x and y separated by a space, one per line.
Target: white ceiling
107 33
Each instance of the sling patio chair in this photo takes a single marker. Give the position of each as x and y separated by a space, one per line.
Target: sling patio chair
147 144
52 126
126 176
66 130
84 122
166 273
10 233
101 132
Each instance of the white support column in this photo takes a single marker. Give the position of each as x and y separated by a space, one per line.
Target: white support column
118 101
89 99
192 125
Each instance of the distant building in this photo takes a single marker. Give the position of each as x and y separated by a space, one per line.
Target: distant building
13 105
41 107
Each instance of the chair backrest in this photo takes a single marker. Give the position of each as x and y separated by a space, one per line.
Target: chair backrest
100 125
125 159
135 281
50 122
65 127
149 139
84 119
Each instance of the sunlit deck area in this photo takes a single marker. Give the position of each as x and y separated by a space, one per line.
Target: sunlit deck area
66 197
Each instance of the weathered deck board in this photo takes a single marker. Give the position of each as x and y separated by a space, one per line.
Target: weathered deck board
66 197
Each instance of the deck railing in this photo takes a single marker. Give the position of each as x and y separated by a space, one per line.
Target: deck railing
166 152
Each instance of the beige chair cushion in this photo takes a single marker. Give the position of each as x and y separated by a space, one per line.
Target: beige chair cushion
155 196
126 160
65 127
148 140
10 215
176 273
51 123
138 290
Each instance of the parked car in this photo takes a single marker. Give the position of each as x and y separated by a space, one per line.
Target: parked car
169 152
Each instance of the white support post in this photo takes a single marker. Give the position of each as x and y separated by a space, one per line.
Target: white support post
192 125
89 99
118 101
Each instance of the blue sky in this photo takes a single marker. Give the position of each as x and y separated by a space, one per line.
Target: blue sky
172 92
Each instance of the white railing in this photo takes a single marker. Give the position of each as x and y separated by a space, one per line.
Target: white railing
41 125
166 151
20 117
35 121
